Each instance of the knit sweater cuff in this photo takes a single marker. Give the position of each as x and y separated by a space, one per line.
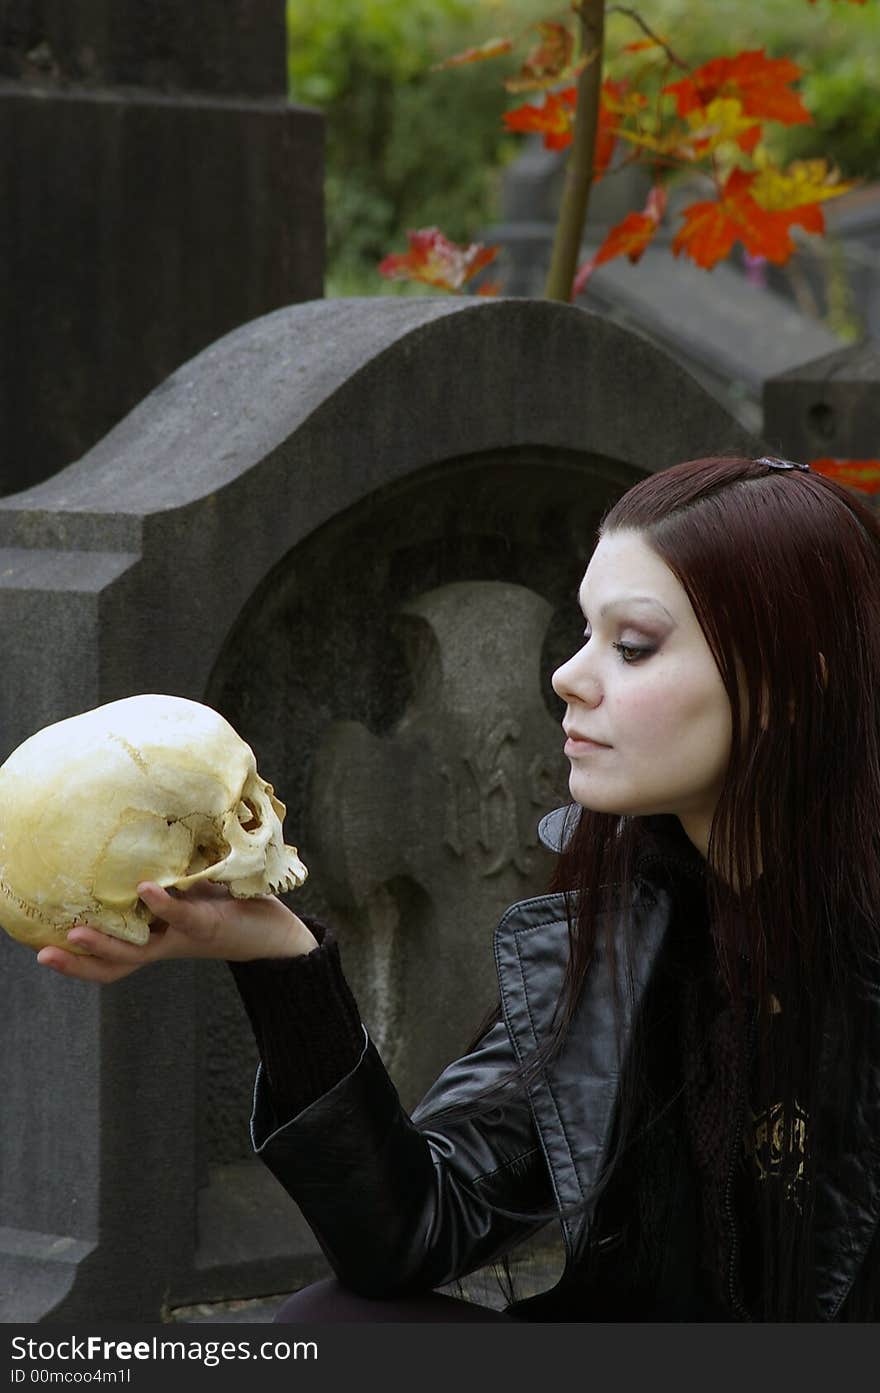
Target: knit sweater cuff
305 1020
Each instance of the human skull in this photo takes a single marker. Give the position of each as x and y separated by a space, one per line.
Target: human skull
148 788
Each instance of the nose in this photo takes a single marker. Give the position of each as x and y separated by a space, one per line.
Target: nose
573 682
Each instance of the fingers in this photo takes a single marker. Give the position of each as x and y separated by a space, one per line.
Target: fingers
192 913
107 960
181 919
103 958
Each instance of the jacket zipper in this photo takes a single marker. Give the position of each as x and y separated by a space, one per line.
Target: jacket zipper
736 1305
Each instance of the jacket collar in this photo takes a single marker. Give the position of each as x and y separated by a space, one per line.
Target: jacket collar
663 840
574 1100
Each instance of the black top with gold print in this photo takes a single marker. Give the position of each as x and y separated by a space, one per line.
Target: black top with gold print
736 1147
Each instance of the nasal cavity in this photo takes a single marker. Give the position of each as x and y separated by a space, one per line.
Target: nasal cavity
248 815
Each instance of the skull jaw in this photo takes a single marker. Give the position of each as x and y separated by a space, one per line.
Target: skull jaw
251 858
283 870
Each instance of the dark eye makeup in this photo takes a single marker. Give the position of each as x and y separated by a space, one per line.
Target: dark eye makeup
629 653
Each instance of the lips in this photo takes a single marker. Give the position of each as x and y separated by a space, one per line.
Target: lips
576 735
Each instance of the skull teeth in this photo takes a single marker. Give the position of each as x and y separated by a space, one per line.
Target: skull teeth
287 882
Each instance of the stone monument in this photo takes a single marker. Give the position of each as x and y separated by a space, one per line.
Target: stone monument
158 190
827 407
357 528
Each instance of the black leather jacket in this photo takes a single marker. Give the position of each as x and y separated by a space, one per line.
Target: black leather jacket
399 1206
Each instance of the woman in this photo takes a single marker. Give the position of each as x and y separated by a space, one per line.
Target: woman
684 1064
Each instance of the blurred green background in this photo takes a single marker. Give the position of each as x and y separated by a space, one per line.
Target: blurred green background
408 148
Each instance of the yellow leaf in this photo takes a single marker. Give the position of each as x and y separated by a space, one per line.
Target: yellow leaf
623 103
804 181
719 122
673 144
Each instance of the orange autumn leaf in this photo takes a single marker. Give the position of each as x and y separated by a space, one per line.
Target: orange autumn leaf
754 79
554 119
749 139
606 139
861 474
620 99
708 235
640 44
629 238
712 227
490 49
548 63
432 258
614 99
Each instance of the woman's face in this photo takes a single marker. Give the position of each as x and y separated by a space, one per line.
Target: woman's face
646 686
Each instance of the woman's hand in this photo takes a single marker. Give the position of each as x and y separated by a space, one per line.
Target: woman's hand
203 922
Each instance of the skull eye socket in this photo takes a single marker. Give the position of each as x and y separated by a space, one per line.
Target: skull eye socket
248 815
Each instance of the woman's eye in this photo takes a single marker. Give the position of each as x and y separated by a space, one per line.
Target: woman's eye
629 652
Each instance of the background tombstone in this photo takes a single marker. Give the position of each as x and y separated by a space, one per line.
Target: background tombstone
157 190
730 334
423 833
845 263
290 528
828 407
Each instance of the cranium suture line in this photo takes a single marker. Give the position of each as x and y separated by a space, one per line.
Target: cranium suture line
151 787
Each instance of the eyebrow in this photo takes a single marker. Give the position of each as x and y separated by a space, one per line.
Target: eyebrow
630 600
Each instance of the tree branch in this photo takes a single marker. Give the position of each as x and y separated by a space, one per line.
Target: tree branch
579 170
637 19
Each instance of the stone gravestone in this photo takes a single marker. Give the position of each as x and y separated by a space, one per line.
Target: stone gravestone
157 191
828 407
357 528
728 334
427 830
842 265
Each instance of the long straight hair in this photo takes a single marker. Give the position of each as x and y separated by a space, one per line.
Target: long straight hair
780 567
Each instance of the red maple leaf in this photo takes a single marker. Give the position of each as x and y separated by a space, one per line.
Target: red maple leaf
629 238
711 227
432 258
554 119
757 81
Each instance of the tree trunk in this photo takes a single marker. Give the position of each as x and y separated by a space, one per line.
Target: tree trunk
579 170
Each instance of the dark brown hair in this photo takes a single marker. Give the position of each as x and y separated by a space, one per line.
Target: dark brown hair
779 567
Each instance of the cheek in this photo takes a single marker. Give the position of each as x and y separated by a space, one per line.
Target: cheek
651 710
672 708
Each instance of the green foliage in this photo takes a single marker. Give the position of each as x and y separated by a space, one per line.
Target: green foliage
847 111
406 147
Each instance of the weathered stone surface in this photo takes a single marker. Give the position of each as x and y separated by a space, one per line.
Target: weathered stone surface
285 529
729 334
135 229
234 48
829 406
424 831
